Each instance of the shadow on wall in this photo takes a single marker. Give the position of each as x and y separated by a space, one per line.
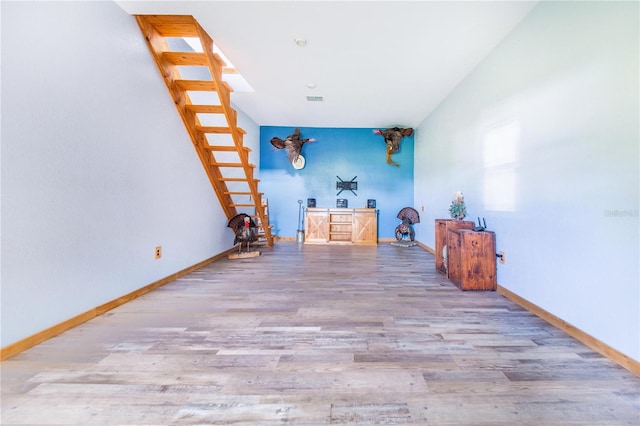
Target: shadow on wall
336 155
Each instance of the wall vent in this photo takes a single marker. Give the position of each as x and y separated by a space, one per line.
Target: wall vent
314 98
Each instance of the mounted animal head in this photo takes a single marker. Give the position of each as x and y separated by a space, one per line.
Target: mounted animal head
292 144
392 138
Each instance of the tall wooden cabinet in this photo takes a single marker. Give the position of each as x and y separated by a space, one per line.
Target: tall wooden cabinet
341 226
442 227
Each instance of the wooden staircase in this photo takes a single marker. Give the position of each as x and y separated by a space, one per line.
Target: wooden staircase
202 97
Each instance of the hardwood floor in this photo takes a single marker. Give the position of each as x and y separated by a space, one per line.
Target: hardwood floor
317 335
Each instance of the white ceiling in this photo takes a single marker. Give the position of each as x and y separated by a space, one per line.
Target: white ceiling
376 63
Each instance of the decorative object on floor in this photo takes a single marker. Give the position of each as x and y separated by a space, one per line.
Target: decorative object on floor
457 209
293 145
392 138
408 216
245 233
349 185
404 243
300 232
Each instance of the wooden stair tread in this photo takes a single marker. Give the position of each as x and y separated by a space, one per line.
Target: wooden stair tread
173 25
236 179
225 148
197 59
241 193
186 58
219 129
192 58
211 109
197 85
232 165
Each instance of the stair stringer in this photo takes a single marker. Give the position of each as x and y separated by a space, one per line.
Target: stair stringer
221 173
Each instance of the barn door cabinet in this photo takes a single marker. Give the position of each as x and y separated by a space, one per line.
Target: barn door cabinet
316 226
341 226
471 259
442 227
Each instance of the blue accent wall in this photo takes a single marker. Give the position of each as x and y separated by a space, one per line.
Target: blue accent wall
343 152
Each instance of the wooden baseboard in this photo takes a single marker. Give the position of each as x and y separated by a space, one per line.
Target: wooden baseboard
590 341
595 344
426 247
24 344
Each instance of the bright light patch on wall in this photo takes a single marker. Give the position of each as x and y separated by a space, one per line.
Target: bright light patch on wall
235 79
500 190
500 156
500 144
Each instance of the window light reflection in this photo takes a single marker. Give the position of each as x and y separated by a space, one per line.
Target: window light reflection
500 156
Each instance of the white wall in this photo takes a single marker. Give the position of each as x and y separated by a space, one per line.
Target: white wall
558 98
97 168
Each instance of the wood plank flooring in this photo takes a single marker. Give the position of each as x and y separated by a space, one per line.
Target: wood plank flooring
317 335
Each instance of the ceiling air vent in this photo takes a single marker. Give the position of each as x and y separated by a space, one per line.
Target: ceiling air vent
314 98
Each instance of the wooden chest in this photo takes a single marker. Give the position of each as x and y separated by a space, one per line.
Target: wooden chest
472 259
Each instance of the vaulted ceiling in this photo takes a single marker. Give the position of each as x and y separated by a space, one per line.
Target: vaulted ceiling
374 63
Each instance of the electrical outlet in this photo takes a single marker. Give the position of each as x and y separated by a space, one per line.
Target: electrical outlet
501 257
158 252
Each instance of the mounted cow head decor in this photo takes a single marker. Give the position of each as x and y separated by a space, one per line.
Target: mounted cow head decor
392 138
